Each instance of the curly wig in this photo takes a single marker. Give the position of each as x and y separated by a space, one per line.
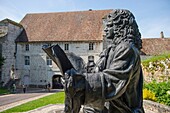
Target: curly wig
125 27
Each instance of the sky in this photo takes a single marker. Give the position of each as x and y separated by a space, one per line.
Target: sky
152 16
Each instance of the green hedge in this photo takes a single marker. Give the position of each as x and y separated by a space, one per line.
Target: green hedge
4 91
161 90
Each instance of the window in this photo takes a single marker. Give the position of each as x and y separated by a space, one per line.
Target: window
27 60
49 61
66 47
27 47
49 44
91 46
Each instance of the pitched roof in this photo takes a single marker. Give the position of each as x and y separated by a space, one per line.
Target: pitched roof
10 21
155 46
63 26
4 27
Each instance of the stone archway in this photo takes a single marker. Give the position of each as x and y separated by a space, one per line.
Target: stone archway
56 82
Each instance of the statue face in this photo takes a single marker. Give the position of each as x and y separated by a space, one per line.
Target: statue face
109 30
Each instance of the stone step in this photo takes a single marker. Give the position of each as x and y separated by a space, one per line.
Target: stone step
148 111
58 108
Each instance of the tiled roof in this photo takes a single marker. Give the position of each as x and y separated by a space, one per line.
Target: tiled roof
63 26
155 46
10 21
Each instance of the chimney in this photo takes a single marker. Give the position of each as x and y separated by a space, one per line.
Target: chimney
162 34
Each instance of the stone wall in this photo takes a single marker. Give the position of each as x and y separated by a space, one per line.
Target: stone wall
7 43
156 107
38 72
158 71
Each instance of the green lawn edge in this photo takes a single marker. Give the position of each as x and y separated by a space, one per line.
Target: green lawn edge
57 98
156 58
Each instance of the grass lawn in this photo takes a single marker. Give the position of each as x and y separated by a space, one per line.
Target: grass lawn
3 91
57 98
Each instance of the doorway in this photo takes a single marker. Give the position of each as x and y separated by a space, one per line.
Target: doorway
56 82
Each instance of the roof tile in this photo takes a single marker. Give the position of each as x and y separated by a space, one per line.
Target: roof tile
155 46
63 26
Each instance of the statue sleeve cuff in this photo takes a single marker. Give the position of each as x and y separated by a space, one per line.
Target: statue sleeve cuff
94 91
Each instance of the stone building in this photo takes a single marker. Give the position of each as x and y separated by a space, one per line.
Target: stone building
9 31
156 46
79 32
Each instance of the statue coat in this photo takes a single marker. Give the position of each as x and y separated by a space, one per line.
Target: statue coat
120 73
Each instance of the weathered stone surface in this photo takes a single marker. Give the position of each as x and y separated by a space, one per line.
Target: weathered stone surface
8 48
156 107
3 31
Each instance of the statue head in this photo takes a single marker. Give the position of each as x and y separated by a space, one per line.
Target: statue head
121 25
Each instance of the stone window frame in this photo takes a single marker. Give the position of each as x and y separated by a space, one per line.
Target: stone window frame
49 61
66 47
27 60
91 46
49 44
27 48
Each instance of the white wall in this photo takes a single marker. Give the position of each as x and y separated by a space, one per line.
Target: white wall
38 71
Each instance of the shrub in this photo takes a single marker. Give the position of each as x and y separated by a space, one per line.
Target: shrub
155 61
148 95
4 91
161 91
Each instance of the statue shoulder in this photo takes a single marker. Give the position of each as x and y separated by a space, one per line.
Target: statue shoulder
124 46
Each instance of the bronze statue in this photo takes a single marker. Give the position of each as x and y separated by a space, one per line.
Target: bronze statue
115 84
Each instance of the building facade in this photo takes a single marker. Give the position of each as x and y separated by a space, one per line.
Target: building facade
78 32
9 31
35 68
